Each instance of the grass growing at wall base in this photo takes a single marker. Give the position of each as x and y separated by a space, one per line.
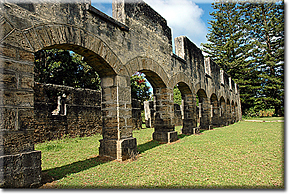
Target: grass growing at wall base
245 155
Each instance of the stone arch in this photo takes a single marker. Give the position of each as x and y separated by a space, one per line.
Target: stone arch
189 108
185 83
117 141
163 104
153 71
215 111
96 52
114 79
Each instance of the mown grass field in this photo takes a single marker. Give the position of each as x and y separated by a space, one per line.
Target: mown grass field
245 155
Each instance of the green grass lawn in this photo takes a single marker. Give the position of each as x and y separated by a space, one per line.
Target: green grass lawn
245 155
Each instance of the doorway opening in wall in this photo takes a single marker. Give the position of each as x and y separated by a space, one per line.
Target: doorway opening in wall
184 109
178 107
64 89
198 110
141 99
67 111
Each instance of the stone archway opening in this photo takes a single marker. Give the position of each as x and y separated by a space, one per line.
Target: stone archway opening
141 101
215 111
161 115
178 106
114 105
223 111
204 110
67 98
188 109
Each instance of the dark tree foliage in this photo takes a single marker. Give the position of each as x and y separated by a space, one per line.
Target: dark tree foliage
65 67
139 87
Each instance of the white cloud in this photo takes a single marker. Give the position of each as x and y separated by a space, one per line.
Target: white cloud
183 16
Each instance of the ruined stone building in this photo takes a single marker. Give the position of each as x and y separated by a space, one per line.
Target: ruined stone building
135 39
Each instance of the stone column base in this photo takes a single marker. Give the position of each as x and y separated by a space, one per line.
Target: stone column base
20 170
207 127
191 131
166 137
118 149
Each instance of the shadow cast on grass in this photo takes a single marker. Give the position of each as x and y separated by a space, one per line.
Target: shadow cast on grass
58 173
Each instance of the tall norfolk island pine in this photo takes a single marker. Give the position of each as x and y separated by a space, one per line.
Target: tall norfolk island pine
237 42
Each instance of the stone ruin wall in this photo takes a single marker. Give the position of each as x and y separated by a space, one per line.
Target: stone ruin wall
79 112
135 39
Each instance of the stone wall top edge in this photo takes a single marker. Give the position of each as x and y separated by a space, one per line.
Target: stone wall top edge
193 45
144 13
107 18
66 87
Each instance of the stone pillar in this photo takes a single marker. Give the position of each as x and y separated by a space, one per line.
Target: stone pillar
136 114
205 114
233 114
236 114
215 114
223 120
228 114
164 126
20 164
189 121
117 141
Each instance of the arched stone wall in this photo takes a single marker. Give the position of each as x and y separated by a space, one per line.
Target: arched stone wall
188 101
136 39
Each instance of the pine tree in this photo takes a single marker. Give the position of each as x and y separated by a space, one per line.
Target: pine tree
267 23
229 47
247 41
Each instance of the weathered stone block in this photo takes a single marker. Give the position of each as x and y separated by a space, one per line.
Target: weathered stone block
26 81
26 119
20 170
17 141
8 80
118 149
7 118
165 137
18 98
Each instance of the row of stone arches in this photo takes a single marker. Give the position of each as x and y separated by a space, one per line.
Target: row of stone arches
115 82
118 141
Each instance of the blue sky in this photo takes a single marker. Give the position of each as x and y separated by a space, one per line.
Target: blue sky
184 17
